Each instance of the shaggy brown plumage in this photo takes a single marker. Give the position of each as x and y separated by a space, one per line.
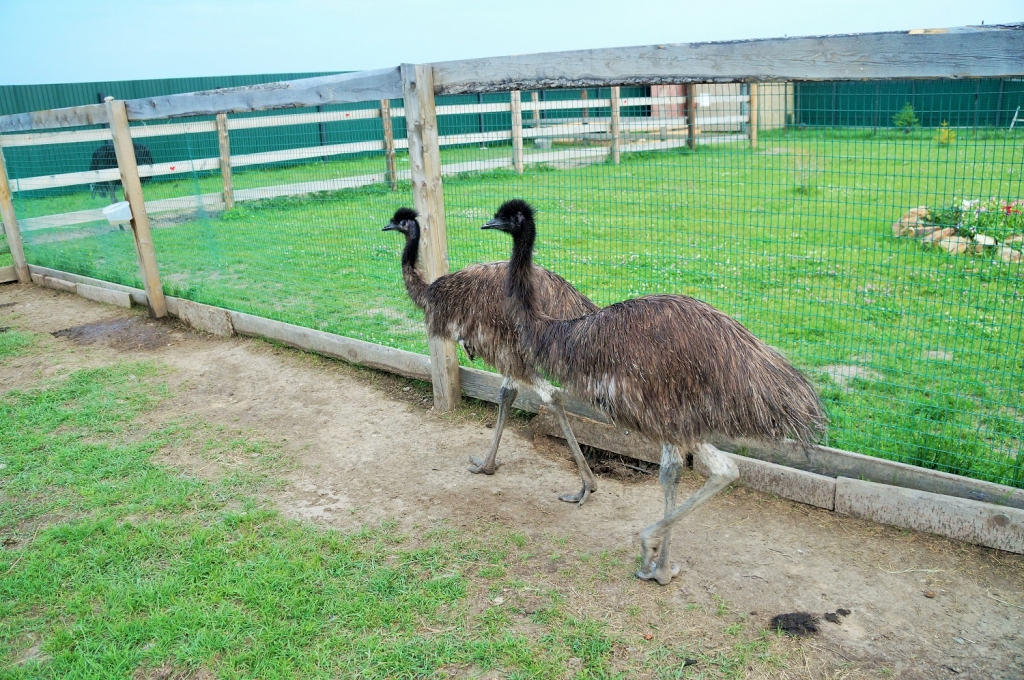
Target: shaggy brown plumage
469 307
669 366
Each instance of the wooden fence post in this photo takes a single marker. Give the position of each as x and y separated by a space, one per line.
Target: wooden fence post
535 98
126 164
428 197
389 143
615 124
691 117
752 112
517 132
11 225
225 160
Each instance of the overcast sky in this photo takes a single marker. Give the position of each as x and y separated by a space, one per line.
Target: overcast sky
51 41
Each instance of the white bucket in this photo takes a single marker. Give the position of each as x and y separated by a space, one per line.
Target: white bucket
118 213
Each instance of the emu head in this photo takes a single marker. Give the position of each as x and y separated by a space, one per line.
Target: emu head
514 217
404 221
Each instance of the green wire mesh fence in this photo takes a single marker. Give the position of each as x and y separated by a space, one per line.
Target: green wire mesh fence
872 231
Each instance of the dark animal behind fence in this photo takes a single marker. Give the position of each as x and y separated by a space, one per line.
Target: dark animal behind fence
105 158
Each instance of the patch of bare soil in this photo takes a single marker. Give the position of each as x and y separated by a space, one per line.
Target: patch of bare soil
121 333
367 447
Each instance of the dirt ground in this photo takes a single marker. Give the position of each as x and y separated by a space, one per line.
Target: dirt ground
368 447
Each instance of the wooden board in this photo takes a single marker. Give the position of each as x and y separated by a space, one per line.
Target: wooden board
985 52
10 221
224 145
338 89
389 144
517 132
132 185
428 197
301 119
73 116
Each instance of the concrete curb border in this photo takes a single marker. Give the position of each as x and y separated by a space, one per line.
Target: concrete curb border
997 525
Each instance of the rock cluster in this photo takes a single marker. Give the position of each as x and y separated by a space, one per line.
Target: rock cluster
914 224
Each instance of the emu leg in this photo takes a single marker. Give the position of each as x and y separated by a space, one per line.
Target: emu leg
506 397
589 484
671 470
654 539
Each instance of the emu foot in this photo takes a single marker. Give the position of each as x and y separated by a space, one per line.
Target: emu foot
579 497
663 575
654 555
478 466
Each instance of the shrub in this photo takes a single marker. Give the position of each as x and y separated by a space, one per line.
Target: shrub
906 118
945 136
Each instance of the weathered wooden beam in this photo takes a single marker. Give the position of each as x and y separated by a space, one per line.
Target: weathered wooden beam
616 134
389 143
517 132
428 197
132 184
338 89
11 225
691 117
752 129
971 52
73 116
224 144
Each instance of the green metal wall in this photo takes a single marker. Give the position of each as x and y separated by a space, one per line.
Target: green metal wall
960 103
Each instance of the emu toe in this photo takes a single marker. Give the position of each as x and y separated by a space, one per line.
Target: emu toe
478 466
579 497
662 574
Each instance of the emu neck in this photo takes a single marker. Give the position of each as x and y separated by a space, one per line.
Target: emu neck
415 286
520 285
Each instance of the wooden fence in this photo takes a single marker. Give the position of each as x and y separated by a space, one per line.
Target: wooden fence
986 52
609 127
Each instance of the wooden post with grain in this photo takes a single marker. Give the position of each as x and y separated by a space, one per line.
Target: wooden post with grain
535 98
517 132
225 160
615 123
11 225
691 117
752 112
428 198
389 143
129 169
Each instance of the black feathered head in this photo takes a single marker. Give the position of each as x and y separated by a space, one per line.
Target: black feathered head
512 217
404 220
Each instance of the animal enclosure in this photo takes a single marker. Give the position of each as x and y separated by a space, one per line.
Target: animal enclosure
780 191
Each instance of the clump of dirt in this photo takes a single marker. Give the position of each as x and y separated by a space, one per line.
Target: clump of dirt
833 617
797 624
122 333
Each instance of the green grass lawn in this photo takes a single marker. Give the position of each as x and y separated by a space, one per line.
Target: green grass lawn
114 566
917 352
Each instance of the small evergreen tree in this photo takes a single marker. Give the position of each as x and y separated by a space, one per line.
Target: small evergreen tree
906 118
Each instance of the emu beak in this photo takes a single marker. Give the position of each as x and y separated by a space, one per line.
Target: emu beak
496 223
391 227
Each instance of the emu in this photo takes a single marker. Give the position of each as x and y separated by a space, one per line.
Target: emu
669 366
469 307
104 158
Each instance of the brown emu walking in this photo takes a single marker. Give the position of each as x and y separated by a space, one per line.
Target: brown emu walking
672 367
469 307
